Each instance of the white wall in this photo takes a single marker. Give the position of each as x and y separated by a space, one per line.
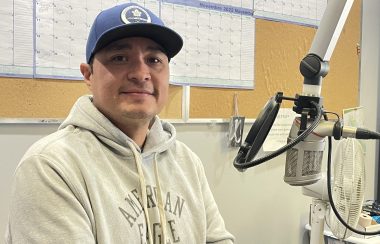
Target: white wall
257 205
370 84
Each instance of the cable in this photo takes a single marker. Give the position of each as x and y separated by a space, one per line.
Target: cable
328 112
242 154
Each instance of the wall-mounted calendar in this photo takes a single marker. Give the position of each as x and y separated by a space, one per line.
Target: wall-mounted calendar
47 38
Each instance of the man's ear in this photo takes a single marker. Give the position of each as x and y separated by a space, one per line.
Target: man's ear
86 71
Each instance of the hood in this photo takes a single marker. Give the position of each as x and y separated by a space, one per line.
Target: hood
85 115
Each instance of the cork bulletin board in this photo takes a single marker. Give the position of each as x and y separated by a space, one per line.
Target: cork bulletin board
279 49
53 99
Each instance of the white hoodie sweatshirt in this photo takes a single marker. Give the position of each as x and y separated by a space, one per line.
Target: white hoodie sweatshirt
90 183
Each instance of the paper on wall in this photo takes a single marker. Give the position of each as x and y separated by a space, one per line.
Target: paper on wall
279 132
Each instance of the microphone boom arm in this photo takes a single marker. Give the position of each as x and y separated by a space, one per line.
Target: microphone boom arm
315 65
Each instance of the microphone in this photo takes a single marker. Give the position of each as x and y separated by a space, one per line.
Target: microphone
304 160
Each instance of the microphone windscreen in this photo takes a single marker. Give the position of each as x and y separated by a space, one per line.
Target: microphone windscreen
303 163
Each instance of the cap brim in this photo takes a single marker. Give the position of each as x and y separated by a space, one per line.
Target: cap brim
170 40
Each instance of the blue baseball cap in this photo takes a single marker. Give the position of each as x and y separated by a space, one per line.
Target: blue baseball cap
130 20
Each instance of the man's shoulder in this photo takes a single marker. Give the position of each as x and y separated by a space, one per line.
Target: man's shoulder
55 139
183 151
56 144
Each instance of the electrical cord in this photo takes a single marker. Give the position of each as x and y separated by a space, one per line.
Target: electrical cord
241 156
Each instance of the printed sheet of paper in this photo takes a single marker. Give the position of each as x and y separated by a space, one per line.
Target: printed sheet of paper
47 38
279 132
354 117
297 11
16 38
62 28
218 42
218 39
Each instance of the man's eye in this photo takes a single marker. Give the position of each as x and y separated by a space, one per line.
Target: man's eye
154 60
119 59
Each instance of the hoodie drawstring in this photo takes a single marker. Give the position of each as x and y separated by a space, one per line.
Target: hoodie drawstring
160 201
138 162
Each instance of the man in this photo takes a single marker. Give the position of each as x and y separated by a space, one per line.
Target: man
114 172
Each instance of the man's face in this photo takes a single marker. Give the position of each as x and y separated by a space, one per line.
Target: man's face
129 80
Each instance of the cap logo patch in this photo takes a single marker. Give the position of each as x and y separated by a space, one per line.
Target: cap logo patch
135 14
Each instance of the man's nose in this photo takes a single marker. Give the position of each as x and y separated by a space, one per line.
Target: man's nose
139 71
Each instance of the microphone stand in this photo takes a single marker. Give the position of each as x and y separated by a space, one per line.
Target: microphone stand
313 69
